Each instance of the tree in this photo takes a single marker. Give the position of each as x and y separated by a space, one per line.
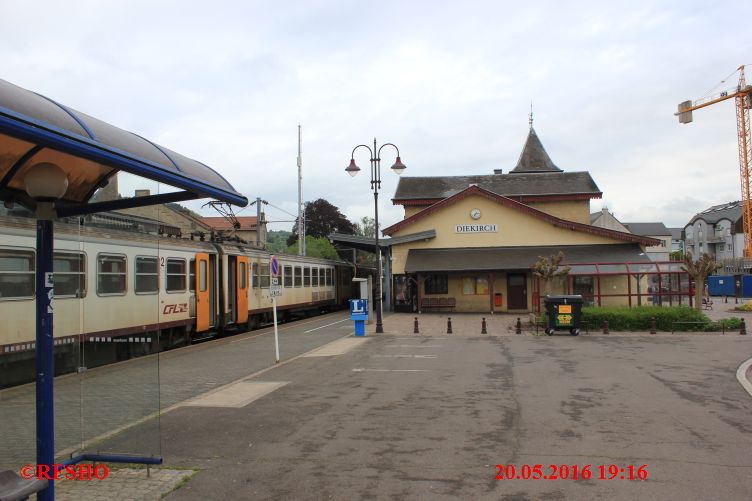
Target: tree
699 271
276 241
316 247
366 227
549 268
321 220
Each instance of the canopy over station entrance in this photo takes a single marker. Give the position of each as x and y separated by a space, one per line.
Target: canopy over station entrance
53 159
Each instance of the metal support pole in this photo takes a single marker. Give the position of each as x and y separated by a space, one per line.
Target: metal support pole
45 359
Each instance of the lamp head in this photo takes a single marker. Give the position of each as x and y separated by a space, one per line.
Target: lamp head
46 182
398 166
352 169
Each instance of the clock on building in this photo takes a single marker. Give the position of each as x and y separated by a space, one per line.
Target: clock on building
475 213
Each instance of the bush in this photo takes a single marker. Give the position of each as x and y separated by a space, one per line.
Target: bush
623 318
745 307
727 324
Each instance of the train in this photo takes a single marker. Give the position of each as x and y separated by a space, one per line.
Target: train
120 294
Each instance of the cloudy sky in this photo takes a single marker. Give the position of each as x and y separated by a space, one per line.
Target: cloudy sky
450 83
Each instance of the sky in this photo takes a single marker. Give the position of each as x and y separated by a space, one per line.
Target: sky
449 83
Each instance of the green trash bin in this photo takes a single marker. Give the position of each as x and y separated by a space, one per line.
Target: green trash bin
563 313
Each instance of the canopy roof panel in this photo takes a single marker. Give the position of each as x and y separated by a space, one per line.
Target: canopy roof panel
36 129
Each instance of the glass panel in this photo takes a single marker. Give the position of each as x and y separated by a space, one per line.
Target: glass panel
642 267
16 274
612 268
147 279
583 269
192 275
314 277
202 279
298 276
243 275
255 275
265 275
287 270
111 274
306 277
175 275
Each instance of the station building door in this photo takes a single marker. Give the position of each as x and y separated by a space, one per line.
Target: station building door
517 291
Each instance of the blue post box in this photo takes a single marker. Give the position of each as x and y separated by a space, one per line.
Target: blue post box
359 314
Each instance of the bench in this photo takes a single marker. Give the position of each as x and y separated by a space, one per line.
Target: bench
707 303
15 488
437 303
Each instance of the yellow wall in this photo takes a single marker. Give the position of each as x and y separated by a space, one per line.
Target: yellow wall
574 210
514 228
411 210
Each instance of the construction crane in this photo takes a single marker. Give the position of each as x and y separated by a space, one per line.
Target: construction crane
743 96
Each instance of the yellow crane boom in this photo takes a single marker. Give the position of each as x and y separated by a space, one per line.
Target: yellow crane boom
743 97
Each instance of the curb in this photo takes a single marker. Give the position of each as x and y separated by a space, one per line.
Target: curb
741 376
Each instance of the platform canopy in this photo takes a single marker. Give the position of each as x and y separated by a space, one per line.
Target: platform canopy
36 129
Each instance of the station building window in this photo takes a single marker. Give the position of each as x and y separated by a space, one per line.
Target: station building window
175 275
476 286
436 283
111 278
16 274
70 274
147 277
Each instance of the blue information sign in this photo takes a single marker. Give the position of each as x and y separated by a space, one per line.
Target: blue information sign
359 314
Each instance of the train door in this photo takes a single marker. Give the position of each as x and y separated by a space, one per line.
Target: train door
231 291
241 291
203 295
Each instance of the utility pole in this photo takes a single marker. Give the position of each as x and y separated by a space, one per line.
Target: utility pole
258 222
301 210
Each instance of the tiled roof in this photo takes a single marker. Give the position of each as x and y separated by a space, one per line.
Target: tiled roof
731 211
508 185
534 157
508 202
220 223
647 229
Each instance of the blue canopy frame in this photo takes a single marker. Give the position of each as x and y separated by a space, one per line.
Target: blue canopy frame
33 129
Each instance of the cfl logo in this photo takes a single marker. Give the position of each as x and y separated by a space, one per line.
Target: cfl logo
175 308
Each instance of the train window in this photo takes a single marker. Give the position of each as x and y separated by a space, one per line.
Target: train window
264 275
175 281
255 275
16 273
70 274
202 275
287 275
192 275
314 277
111 271
298 278
328 276
243 275
147 275
306 277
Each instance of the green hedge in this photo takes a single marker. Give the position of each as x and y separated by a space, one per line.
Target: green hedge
622 318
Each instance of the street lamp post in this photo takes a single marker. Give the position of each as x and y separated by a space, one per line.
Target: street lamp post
353 169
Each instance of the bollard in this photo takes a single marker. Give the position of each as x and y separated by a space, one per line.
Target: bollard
415 327
483 326
449 325
652 325
743 328
518 327
725 299
605 327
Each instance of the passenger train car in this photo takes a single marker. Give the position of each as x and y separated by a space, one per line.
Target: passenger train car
121 294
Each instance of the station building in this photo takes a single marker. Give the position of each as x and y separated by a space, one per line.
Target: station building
467 243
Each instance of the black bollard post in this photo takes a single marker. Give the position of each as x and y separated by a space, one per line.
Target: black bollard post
605 327
518 327
725 299
483 327
743 328
652 325
415 327
449 325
